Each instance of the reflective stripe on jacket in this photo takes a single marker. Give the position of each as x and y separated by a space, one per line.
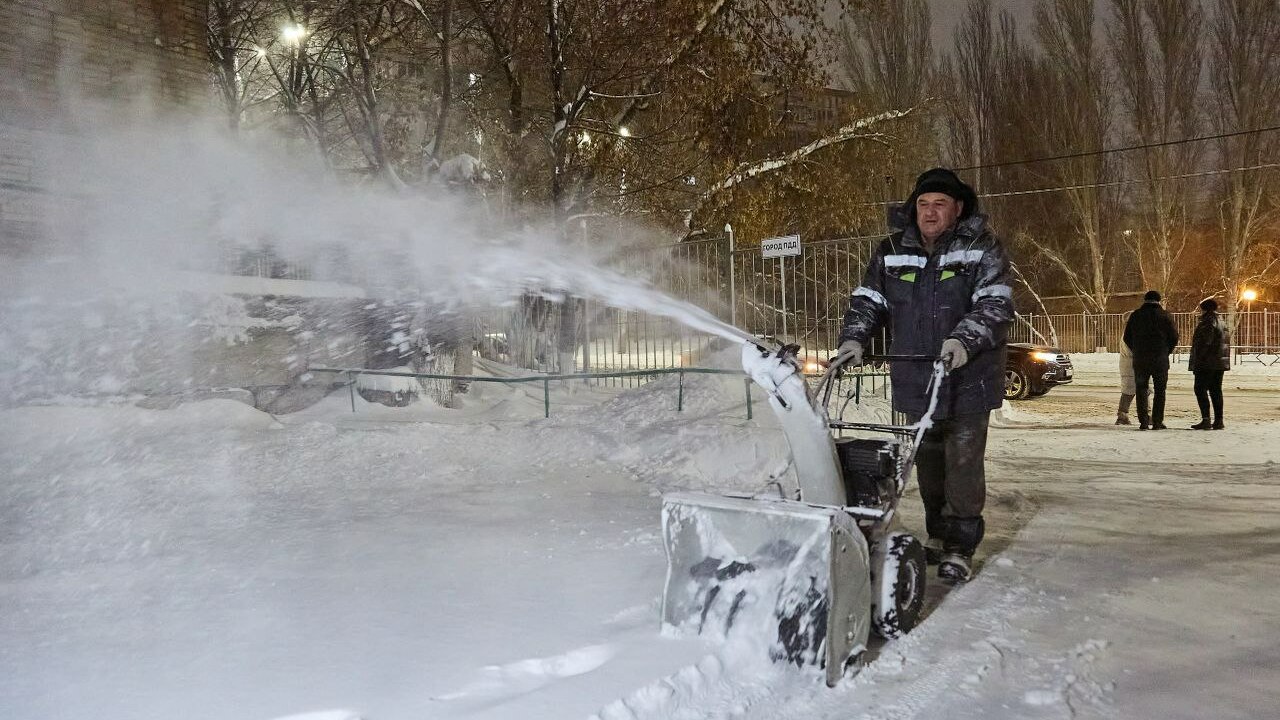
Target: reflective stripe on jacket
963 291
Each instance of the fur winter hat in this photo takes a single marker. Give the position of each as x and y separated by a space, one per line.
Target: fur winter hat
942 180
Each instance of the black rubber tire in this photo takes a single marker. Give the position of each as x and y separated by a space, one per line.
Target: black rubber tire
1016 384
898 572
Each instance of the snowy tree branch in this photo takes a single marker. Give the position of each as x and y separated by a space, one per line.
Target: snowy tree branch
852 131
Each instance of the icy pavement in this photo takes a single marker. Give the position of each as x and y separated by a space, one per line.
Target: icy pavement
213 562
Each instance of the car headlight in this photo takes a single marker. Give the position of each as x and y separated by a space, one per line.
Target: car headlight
1045 357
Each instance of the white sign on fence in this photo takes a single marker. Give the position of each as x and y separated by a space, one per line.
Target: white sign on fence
785 246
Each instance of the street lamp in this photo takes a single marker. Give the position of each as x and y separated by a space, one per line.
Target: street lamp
1248 295
293 34
624 131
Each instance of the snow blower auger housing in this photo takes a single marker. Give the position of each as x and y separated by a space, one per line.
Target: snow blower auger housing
813 572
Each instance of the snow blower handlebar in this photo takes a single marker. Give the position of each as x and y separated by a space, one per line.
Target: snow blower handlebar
837 365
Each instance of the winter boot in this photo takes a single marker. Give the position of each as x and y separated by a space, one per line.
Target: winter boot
956 567
1204 424
1122 419
933 551
1218 425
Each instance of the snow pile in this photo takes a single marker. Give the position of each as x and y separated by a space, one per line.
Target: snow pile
463 168
51 425
709 446
204 562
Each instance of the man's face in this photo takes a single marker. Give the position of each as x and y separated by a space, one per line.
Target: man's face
936 213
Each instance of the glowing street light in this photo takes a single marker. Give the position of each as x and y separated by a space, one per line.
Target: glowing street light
624 131
1249 295
293 34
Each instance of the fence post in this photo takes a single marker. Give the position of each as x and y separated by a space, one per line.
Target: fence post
733 297
546 398
352 387
680 394
747 383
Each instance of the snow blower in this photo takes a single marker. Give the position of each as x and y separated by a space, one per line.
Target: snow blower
810 573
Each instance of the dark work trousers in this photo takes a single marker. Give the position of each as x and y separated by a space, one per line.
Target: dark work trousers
953 481
1209 385
1144 377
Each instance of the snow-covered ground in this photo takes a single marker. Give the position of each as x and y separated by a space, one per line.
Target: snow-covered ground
214 562
210 561
1251 373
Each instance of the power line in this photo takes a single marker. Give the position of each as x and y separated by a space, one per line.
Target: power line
1108 151
1111 183
1114 183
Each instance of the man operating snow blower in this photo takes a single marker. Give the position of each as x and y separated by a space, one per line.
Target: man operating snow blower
941 284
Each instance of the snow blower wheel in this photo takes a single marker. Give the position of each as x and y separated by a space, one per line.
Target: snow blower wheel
897 585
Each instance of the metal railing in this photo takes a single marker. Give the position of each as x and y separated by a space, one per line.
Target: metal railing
1257 333
546 380
800 299
852 387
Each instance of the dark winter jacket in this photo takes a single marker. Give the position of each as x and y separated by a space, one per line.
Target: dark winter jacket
961 291
1151 335
1210 347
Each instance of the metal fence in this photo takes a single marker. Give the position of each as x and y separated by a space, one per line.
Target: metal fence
528 333
1083 332
800 299
1256 334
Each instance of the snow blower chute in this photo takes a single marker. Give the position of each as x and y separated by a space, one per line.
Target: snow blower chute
810 575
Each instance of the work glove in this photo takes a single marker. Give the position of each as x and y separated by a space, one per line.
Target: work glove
954 356
853 349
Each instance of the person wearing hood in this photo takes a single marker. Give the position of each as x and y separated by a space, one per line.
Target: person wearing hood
1151 336
1210 357
941 284
1128 389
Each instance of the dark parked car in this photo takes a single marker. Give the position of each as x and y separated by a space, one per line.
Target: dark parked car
1032 370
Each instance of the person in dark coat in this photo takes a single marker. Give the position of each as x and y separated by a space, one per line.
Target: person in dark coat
1210 357
942 286
1151 336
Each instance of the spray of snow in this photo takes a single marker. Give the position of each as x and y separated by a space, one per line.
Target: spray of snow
191 199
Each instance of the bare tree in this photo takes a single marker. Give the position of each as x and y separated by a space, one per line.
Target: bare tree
1078 93
971 73
233 26
887 51
1158 62
358 28
1245 74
